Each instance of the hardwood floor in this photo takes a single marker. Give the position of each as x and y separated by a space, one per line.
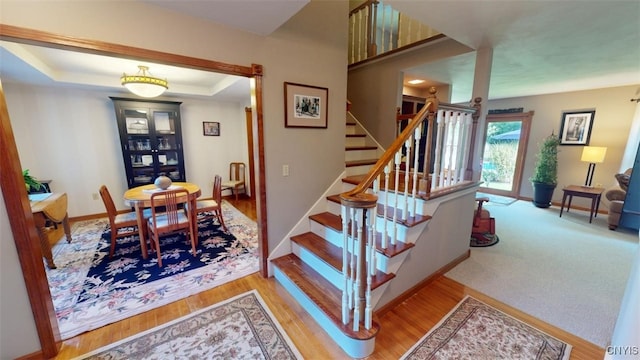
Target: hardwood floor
401 326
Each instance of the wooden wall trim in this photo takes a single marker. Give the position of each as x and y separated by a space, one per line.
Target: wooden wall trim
42 38
26 238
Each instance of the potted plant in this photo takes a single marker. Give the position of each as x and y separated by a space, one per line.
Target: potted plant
545 174
30 182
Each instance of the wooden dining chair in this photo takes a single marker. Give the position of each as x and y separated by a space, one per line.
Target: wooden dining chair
173 219
121 221
212 208
236 179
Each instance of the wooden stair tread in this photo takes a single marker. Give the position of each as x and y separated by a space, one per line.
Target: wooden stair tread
411 220
356 148
326 296
332 255
335 222
360 162
421 190
328 219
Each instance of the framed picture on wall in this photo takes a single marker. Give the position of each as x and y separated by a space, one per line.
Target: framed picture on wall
575 128
210 128
305 106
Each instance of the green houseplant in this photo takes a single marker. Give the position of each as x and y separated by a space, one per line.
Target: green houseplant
545 174
30 182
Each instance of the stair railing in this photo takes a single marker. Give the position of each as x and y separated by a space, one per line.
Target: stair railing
376 28
431 155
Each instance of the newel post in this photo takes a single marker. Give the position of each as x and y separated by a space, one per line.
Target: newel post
362 203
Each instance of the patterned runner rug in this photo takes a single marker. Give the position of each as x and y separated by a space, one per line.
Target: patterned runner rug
242 327
475 330
89 290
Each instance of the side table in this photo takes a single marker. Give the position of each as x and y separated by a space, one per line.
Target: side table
594 193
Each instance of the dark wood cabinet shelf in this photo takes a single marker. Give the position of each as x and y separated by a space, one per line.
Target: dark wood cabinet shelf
151 139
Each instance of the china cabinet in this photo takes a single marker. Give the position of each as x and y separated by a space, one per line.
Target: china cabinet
151 139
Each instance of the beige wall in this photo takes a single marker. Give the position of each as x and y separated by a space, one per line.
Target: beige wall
375 91
309 49
611 126
71 136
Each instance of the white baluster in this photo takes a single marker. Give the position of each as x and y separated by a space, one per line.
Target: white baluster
417 135
397 160
435 179
352 256
385 232
368 311
358 273
407 146
446 156
467 143
345 265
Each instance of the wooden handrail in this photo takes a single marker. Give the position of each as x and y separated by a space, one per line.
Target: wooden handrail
431 105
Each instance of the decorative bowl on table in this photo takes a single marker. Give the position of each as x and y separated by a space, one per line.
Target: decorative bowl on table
162 182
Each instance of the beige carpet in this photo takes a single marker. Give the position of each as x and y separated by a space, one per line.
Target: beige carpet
475 330
242 327
564 271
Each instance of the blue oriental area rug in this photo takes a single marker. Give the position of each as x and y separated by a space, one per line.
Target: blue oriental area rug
89 290
127 268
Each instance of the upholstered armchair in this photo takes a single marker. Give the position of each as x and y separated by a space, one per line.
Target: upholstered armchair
614 198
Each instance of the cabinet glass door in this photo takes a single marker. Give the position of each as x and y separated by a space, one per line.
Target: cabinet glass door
167 145
140 147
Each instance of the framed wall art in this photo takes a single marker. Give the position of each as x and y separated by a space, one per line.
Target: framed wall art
575 128
305 106
210 128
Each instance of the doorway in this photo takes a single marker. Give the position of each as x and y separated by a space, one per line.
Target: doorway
505 143
17 203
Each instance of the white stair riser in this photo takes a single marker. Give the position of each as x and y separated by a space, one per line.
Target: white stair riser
331 274
329 234
357 170
356 141
354 348
351 155
317 264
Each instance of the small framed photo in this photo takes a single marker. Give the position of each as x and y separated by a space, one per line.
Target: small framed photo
305 106
210 128
575 128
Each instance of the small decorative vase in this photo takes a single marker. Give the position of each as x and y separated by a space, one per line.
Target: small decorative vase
162 182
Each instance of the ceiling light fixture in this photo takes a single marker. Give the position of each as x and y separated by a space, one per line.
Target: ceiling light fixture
415 82
143 84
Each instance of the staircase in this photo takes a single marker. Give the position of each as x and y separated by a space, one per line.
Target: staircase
312 273
391 223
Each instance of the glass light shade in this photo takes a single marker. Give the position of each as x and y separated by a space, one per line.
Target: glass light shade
593 154
144 85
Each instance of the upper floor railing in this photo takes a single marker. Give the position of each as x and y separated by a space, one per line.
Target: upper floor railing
432 154
376 28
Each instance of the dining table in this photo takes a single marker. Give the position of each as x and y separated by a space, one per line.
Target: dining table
49 207
140 198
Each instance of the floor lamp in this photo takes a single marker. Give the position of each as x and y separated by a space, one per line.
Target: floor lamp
593 155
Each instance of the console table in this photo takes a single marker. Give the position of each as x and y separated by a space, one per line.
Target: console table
593 193
51 207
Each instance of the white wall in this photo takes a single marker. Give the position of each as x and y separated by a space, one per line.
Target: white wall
611 126
70 136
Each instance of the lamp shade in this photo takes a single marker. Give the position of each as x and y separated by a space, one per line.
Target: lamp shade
142 84
593 154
